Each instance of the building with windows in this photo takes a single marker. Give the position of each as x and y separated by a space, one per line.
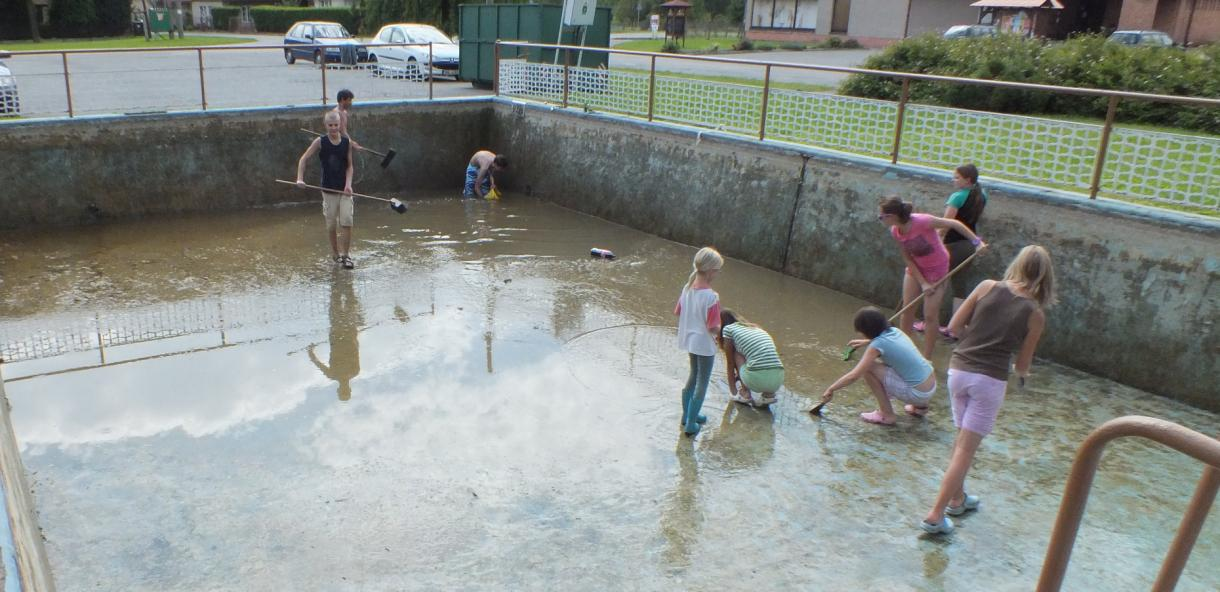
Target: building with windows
876 23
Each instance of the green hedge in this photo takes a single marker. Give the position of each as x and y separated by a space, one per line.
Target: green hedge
221 16
278 19
1086 61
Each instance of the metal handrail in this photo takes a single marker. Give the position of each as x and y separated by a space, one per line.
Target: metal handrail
1200 101
234 47
203 95
1080 480
1099 161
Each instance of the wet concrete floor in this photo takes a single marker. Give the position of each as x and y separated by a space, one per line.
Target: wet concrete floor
480 405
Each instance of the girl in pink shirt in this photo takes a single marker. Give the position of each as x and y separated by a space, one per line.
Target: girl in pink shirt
927 261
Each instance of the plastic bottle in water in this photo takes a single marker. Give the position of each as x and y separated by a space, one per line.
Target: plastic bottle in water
602 253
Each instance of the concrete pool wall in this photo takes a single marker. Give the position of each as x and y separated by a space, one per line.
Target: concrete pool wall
1138 287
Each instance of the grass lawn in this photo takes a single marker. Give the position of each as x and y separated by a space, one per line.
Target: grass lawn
121 43
693 44
1155 169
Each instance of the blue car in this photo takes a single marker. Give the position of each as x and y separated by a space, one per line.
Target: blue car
346 49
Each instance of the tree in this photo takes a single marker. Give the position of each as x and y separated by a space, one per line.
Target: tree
32 13
72 18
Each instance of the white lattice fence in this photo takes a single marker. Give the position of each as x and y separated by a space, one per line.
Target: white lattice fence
864 126
1169 168
1163 167
1029 149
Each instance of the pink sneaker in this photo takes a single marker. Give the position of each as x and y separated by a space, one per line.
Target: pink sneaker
947 334
918 326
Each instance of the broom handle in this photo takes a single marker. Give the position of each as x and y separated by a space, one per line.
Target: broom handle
293 183
934 287
360 148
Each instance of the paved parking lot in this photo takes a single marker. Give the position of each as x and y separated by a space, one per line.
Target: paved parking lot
246 76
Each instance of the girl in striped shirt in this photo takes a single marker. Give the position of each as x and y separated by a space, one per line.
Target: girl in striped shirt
751 360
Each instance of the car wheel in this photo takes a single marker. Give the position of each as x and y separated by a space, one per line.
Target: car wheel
288 57
317 57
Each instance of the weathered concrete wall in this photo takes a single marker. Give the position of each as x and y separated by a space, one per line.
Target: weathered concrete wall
1139 288
70 172
676 187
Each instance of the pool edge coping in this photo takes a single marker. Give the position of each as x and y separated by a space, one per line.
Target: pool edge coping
21 522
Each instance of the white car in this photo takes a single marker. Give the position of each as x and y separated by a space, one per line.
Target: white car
10 103
412 60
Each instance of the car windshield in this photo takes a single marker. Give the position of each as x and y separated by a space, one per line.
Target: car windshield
332 32
427 35
957 29
1127 38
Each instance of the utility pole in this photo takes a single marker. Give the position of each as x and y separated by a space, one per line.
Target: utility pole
144 17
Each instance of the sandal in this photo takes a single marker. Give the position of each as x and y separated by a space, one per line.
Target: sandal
738 398
915 411
876 417
947 334
765 401
918 326
347 262
969 504
944 527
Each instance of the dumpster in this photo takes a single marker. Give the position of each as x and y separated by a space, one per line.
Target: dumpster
480 25
158 21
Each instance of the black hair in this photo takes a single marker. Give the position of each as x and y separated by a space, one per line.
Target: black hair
346 94
972 208
870 322
501 161
894 205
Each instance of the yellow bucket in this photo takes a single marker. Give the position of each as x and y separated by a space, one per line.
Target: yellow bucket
493 194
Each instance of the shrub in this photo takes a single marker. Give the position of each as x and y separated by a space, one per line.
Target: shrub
743 45
278 19
222 15
850 43
794 46
1084 61
72 18
671 46
833 42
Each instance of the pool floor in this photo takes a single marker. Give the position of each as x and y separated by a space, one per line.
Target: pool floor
206 403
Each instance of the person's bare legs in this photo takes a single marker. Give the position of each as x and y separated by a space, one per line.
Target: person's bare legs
334 242
876 382
952 486
910 290
931 319
345 240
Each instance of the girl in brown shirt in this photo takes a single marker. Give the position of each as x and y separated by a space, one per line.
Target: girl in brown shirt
1000 319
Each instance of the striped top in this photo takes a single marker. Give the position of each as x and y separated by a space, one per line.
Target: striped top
755 344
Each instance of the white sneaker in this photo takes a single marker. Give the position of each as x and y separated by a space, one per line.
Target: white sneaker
969 504
945 526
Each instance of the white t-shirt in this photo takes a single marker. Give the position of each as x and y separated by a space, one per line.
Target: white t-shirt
698 312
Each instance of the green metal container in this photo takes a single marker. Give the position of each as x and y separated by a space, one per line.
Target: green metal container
480 25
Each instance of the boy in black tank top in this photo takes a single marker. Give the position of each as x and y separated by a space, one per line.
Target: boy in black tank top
334 150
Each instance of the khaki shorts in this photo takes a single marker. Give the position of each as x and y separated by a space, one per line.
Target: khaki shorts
338 209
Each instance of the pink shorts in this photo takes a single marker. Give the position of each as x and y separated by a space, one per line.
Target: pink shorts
976 400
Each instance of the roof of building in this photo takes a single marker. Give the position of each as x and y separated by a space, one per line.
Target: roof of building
1051 4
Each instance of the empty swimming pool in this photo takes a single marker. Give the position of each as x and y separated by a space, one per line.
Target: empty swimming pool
205 402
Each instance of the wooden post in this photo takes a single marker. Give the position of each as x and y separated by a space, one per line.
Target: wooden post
203 94
495 76
762 120
430 68
652 86
323 50
1100 162
67 83
567 66
902 113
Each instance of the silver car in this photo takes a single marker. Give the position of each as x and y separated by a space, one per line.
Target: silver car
411 61
10 102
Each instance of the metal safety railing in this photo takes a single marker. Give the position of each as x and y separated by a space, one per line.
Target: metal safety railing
1076 495
1106 159
67 70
